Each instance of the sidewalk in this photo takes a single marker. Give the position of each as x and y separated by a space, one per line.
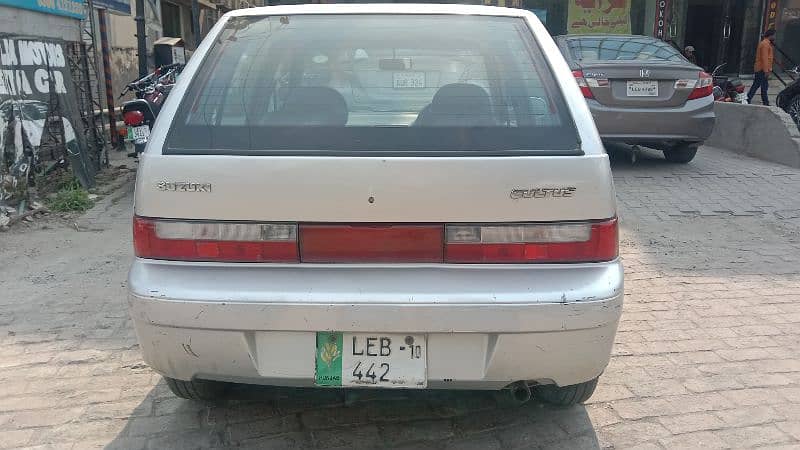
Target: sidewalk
775 87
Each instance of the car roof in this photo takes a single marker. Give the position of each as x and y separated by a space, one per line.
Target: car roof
381 8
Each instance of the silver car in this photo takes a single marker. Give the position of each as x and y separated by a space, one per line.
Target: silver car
377 196
643 91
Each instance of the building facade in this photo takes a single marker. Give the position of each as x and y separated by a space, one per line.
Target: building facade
721 31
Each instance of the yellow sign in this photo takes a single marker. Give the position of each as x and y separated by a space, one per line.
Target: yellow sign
599 16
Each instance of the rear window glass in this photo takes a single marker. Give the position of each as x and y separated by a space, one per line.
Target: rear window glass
621 48
361 84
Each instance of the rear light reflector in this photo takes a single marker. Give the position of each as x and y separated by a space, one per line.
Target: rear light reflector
585 90
371 243
532 243
703 88
214 241
133 118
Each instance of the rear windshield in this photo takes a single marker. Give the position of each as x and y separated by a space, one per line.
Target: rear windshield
621 48
366 84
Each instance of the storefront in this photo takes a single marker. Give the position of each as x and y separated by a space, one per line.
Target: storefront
721 31
784 16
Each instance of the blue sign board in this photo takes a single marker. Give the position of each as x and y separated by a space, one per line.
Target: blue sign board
69 8
113 6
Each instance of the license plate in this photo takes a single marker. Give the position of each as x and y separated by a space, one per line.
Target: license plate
408 80
642 88
139 135
371 360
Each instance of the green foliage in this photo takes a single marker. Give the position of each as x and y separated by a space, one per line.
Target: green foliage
70 197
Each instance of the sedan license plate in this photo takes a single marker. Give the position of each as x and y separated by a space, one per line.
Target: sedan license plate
140 134
642 88
408 80
371 360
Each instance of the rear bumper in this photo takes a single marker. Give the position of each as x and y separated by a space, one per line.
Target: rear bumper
691 122
486 327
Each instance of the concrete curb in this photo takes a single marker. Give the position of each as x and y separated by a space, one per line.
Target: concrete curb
764 132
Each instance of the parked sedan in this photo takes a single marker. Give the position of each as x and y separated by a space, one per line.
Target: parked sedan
643 91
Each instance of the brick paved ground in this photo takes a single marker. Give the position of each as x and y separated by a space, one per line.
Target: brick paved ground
707 355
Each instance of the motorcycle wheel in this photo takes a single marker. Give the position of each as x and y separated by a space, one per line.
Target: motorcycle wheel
794 109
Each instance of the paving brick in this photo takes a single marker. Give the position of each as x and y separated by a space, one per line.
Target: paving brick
15 438
43 418
479 443
753 396
365 436
755 415
289 441
627 434
424 431
275 425
531 434
712 383
706 440
687 423
791 428
758 435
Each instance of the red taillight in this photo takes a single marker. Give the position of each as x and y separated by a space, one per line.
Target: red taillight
371 243
214 241
532 243
133 118
585 90
703 88
567 242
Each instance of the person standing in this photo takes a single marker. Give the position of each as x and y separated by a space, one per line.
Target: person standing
688 52
763 67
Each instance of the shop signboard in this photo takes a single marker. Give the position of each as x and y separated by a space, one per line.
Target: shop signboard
660 23
771 15
114 6
599 16
37 101
69 8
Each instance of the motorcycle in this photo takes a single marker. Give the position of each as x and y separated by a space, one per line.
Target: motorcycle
731 90
140 113
789 98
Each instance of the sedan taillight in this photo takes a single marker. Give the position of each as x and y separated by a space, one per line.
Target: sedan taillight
585 90
703 88
532 243
215 241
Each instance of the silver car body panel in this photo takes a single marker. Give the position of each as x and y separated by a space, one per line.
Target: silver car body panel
693 122
487 325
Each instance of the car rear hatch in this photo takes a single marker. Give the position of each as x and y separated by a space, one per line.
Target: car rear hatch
264 162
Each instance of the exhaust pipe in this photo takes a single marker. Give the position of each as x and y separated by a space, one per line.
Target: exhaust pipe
520 392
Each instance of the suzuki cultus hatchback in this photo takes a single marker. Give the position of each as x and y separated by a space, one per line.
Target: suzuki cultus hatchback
377 196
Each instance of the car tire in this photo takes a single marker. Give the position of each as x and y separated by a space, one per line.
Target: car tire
198 390
793 109
681 153
565 395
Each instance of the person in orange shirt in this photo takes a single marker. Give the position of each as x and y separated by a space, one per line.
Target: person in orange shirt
763 67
